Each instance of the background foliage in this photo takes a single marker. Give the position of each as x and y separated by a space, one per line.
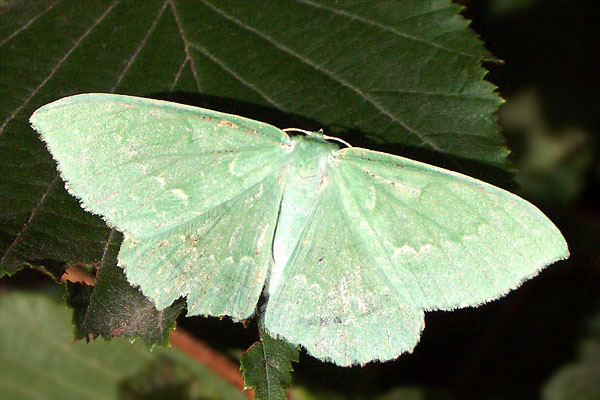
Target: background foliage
415 92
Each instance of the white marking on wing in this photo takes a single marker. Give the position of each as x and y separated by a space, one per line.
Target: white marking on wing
261 239
180 193
160 180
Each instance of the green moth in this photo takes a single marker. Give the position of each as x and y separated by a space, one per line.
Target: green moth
350 245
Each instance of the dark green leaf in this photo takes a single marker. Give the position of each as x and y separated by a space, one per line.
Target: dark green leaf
165 378
39 361
115 308
403 72
267 366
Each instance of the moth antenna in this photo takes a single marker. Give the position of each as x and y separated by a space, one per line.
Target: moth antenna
308 133
337 139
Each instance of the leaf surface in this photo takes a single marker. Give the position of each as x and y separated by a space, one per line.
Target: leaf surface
395 72
114 308
267 366
39 360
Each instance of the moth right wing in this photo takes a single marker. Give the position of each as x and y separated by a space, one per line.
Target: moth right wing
219 261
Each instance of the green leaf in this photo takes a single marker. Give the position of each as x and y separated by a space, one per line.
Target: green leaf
39 360
170 378
400 72
114 308
267 366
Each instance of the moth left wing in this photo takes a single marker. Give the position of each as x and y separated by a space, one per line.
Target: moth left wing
334 300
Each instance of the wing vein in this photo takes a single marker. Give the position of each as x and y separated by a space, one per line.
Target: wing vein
481 218
388 281
383 182
165 116
185 210
428 229
375 236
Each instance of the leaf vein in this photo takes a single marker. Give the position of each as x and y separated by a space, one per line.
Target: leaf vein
186 46
428 93
29 220
178 75
93 297
397 32
57 66
331 75
237 76
140 47
28 23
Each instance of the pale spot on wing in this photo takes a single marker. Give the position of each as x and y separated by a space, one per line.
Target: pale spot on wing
404 250
371 198
259 193
227 124
246 259
425 249
482 230
325 180
180 193
407 250
344 294
261 239
333 159
408 191
236 170
234 239
160 180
